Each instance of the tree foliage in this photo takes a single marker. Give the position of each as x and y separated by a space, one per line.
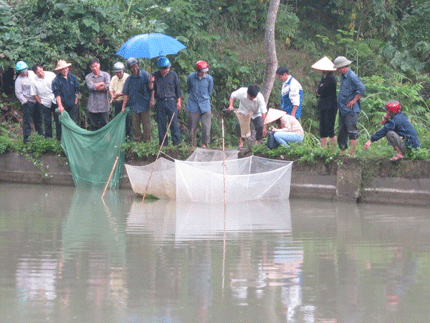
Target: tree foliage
388 41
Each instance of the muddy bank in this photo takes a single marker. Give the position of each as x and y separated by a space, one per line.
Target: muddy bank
377 181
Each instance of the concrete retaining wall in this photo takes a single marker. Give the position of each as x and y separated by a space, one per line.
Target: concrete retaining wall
405 182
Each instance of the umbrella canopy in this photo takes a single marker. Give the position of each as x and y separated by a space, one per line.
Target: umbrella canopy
150 46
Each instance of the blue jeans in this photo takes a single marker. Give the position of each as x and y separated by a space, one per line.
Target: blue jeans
283 138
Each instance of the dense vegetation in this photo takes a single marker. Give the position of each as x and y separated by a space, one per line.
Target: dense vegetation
388 40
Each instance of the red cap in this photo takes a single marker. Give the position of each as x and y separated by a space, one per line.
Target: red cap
202 66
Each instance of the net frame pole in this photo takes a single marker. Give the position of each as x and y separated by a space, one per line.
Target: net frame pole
225 205
110 176
156 159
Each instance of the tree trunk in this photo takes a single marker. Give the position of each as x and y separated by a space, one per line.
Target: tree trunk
271 59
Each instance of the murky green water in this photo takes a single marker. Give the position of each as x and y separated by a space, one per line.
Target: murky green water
68 257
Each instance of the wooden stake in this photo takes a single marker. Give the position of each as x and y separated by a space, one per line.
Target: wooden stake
156 159
110 176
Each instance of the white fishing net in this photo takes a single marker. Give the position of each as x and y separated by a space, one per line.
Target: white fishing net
246 179
205 155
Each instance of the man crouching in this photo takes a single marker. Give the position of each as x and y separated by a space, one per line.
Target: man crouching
399 131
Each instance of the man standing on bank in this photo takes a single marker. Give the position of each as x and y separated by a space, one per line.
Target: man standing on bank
399 131
199 86
136 96
166 90
44 96
291 93
350 92
327 104
66 90
98 101
25 94
115 89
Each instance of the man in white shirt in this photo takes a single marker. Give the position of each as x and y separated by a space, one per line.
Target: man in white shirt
250 101
25 95
42 87
291 93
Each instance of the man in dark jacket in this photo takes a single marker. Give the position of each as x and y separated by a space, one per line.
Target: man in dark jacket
399 131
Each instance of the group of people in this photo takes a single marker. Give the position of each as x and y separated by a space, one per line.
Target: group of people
399 131
41 92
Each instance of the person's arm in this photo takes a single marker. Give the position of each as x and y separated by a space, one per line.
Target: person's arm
293 112
351 103
294 96
264 125
112 96
210 85
59 104
90 84
230 107
19 93
38 99
76 90
124 103
151 87
36 96
178 92
360 90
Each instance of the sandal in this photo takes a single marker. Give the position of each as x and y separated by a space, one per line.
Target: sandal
396 158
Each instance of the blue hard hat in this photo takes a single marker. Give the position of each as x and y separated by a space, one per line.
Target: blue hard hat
163 62
21 66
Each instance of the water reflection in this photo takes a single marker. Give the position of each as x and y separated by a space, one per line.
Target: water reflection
182 221
67 256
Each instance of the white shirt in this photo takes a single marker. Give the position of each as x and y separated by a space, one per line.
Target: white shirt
256 106
23 88
293 89
43 88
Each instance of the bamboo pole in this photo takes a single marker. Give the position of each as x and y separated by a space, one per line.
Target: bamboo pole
225 206
110 176
156 159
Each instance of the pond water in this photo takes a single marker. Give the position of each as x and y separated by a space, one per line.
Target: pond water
68 256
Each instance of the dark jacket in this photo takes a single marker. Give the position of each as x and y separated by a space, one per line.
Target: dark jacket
401 125
327 92
66 89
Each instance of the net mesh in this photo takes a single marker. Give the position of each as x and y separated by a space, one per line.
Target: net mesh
92 154
247 179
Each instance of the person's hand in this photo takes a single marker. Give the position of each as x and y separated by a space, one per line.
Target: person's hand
264 131
367 144
351 103
60 109
151 103
122 109
179 105
230 108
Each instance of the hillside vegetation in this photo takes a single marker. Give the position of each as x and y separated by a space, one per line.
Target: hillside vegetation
388 41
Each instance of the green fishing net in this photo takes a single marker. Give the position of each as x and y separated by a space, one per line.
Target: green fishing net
92 154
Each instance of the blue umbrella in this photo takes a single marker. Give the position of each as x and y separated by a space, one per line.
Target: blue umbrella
150 46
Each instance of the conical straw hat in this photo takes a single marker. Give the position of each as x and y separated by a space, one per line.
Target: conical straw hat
324 64
273 114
